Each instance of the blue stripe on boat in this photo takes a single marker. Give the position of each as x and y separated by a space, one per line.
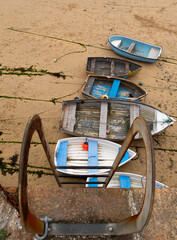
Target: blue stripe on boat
126 157
124 182
62 155
92 160
114 88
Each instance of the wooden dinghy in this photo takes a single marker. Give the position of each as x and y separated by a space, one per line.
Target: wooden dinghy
106 66
131 48
124 180
112 87
81 151
109 119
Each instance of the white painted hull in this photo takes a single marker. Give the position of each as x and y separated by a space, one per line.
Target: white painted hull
77 156
109 119
136 180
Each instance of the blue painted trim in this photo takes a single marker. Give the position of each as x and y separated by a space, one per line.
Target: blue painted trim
62 155
93 180
124 182
92 160
114 88
126 157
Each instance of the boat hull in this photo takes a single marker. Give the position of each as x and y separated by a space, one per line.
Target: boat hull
78 156
111 67
134 181
109 119
112 87
141 51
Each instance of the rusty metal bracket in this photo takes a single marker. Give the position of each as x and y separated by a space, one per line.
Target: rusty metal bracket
130 225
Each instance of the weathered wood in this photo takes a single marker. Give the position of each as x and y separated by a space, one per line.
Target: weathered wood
93 64
88 114
120 115
112 66
131 47
87 132
69 117
103 119
89 85
134 112
127 67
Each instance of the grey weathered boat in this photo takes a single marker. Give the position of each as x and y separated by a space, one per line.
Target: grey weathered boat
111 67
112 87
109 119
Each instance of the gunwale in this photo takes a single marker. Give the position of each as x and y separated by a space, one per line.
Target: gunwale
110 79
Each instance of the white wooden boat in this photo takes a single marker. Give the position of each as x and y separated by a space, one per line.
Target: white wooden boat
124 180
70 152
109 119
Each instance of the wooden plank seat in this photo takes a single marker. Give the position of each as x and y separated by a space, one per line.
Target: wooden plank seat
127 69
92 160
125 182
134 113
103 120
112 67
69 117
93 64
153 53
62 154
114 88
131 47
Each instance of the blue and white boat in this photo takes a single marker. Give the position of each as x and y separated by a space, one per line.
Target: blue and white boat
124 180
87 152
134 49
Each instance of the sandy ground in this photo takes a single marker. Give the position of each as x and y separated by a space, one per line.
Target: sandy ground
49 30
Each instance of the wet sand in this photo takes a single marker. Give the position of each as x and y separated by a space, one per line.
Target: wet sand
35 34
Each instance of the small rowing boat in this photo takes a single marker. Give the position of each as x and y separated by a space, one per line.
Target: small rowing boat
124 180
83 152
108 118
107 66
112 87
134 49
